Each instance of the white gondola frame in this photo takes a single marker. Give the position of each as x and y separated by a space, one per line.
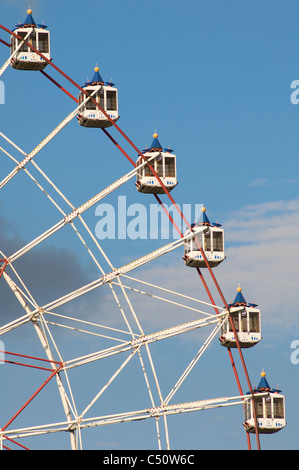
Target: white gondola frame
147 182
247 323
90 115
25 58
269 419
192 255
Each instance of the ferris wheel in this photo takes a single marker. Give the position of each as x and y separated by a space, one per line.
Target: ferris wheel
120 349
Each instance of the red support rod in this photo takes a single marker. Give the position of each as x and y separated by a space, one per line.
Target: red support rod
4 42
25 365
59 86
2 268
14 442
28 357
33 396
32 357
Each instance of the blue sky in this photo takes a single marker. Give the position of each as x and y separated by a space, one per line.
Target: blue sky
214 79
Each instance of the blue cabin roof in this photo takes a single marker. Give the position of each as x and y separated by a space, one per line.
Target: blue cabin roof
29 22
156 146
155 143
240 300
204 220
96 79
264 386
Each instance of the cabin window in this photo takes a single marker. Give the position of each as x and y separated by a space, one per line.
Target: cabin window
12 44
169 166
32 40
111 102
43 42
147 170
278 408
254 322
90 104
235 320
259 407
207 238
100 99
268 407
159 166
187 246
218 241
24 47
139 171
244 322
194 244
247 411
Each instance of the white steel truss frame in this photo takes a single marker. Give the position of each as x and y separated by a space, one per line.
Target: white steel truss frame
39 316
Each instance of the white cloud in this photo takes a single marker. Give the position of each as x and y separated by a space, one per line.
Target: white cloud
262 256
260 182
262 248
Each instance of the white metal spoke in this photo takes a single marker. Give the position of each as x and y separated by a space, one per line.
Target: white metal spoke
88 407
146 339
70 217
7 62
147 413
114 274
187 297
194 361
157 297
40 146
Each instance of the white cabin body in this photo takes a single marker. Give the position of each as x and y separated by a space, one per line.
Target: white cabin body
164 164
270 413
105 95
23 57
247 325
90 115
212 243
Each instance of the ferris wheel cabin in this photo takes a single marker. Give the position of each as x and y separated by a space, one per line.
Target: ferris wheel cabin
211 242
269 409
163 161
22 56
105 95
246 319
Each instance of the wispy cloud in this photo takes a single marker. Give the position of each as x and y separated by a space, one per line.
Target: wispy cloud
262 256
262 248
259 182
264 182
